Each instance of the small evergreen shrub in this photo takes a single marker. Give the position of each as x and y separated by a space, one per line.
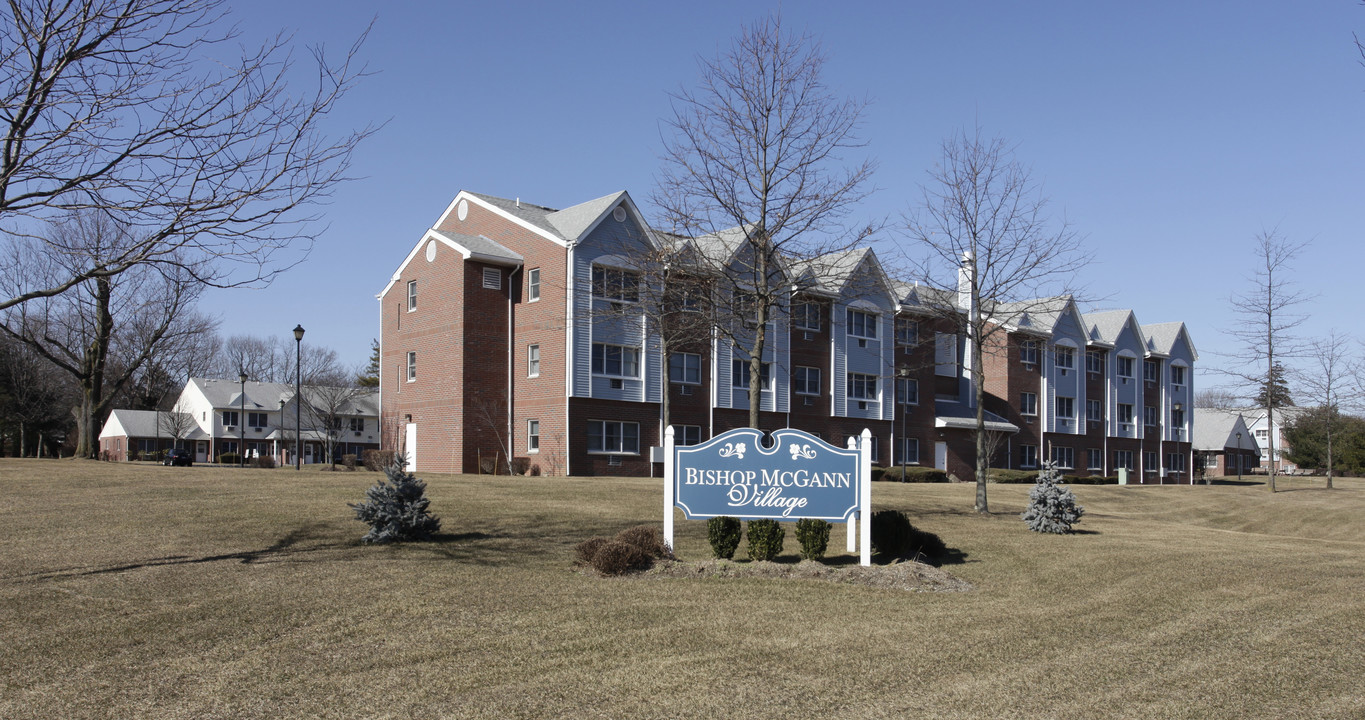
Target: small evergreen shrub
618 558
813 534
648 538
765 539
915 474
1051 508
877 473
396 510
585 551
893 537
724 533
1090 480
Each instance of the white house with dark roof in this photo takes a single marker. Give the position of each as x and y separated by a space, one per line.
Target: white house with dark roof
1224 443
257 418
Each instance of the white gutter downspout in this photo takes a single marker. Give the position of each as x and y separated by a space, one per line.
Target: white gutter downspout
511 361
568 353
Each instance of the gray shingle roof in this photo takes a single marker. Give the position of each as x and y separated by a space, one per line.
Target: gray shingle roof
536 215
480 245
1216 429
144 424
1105 327
1161 337
572 222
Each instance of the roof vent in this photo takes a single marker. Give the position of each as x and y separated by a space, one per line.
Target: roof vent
619 214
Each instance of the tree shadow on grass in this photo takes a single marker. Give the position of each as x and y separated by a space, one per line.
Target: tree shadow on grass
289 546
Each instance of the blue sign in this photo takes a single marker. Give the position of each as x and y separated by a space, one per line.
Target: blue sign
799 476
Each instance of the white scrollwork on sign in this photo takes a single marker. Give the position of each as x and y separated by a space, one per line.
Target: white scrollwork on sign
802 451
733 450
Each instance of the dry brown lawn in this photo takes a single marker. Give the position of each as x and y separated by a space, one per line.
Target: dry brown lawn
136 591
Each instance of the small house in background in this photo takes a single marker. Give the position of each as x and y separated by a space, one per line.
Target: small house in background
213 417
1223 442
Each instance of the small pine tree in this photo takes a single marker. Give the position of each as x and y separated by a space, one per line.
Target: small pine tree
1052 508
396 511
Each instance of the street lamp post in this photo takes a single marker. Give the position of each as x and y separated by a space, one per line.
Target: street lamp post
298 401
241 421
1239 457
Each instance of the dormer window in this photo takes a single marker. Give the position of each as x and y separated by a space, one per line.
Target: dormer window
1125 366
1177 375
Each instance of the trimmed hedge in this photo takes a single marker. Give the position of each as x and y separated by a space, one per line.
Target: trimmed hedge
914 474
1011 477
813 534
765 539
724 534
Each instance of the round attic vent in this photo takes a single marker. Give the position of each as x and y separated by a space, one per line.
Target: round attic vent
619 213
431 250
462 210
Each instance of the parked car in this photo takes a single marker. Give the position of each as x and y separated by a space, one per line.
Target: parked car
178 456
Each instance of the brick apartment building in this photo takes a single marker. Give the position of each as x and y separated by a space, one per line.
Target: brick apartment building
494 332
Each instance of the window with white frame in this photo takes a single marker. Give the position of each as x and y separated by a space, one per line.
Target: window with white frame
492 279
1125 366
1093 410
687 435
806 315
739 375
412 295
862 324
615 284
615 360
907 391
1126 413
862 386
532 361
1066 357
1177 417
257 419
532 436
1123 459
1149 461
1064 457
230 417
1175 462
612 436
1149 416
1028 456
1028 352
533 284
1028 403
907 331
1094 361
1177 374
412 365
1066 407
1094 459
911 450
684 368
358 424
1150 370
806 380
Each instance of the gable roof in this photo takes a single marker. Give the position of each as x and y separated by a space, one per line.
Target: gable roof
1217 429
146 424
1105 327
835 273
1162 337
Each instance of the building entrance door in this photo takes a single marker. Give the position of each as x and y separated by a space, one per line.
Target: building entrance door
941 455
410 446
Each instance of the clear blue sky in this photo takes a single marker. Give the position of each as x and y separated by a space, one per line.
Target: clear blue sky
1168 133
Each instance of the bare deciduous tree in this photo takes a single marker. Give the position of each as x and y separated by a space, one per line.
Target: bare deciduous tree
106 328
1264 334
136 109
753 166
330 405
1331 382
983 220
178 422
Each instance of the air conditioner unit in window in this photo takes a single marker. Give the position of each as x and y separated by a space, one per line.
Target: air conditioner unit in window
617 384
809 335
862 404
685 390
862 343
810 401
230 428
614 460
